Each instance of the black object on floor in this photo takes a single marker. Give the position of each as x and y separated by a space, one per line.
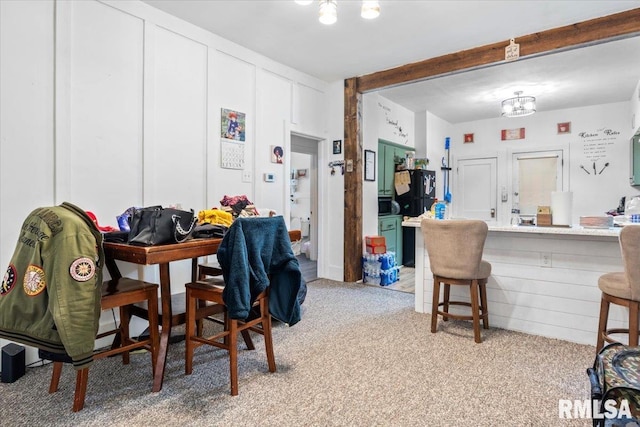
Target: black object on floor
12 362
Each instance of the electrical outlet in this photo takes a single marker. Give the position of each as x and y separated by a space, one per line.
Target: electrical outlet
246 176
545 259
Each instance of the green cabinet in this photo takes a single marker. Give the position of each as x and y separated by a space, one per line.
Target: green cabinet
387 155
390 227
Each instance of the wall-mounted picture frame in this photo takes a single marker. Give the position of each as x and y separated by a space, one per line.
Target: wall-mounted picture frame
512 134
369 165
337 146
468 138
564 128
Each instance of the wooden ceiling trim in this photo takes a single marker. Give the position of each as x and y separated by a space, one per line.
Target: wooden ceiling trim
587 32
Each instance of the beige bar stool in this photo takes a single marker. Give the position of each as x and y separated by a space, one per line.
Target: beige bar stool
455 254
622 288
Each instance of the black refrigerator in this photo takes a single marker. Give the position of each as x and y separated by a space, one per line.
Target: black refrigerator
422 192
419 198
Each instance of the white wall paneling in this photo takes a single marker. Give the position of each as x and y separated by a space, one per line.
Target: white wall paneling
233 86
99 116
26 119
273 129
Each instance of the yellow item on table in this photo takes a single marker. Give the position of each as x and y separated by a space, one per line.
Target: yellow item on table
215 216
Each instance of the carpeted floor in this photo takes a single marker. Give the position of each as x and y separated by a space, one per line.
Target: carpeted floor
361 356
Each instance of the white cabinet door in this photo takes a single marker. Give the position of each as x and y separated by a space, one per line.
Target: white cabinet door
477 188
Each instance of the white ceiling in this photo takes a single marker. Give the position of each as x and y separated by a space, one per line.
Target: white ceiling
410 31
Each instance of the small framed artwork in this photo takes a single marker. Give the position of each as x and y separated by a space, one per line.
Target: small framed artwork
511 134
302 173
468 138
337 146
369 165
564 128
277 154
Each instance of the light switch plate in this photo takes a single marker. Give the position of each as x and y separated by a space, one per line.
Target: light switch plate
246 176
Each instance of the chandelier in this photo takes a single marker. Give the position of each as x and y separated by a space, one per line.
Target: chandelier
328 12
518 106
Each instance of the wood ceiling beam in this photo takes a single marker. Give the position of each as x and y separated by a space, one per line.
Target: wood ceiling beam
588 32
619 25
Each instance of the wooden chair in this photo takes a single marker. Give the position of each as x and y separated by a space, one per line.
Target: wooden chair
622 288
211 290
455 253
208 290
121 294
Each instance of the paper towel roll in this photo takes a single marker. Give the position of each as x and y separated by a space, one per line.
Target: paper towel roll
561 202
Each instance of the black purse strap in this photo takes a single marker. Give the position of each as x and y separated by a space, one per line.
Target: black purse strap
179 233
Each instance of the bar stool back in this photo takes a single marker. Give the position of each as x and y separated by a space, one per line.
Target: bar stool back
622 288
455 253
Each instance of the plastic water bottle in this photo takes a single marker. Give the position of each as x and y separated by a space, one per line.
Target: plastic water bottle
440 207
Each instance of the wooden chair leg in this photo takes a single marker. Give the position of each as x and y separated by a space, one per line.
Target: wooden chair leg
434 304
189 331
55 377
233 355
602 323
633 323
447 292
154 334
268 339
483 305
475 311
124 331
81 389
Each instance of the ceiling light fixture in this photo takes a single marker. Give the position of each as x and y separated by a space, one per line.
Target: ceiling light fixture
328 10
518 106
370 9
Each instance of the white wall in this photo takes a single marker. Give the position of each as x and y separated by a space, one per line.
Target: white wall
599 134
115 104
382 119
437 130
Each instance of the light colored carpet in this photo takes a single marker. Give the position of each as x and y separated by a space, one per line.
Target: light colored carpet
361 356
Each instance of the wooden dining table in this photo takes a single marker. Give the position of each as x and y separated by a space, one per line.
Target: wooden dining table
163 255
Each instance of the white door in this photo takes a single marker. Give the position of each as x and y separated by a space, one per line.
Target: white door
477 189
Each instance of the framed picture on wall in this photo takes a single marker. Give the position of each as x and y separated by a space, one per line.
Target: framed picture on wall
337 146
564 128
369 165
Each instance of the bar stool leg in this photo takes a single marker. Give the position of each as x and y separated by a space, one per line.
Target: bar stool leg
445 306
633 323
602 324
434 303
475 311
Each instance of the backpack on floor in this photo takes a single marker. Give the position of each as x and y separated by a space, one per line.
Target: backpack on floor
615 385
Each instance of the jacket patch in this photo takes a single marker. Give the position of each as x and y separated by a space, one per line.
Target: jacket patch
34 281
82 269
9 280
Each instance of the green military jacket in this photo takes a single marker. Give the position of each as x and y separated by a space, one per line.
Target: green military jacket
50 293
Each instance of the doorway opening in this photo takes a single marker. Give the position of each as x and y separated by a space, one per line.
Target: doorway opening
303 202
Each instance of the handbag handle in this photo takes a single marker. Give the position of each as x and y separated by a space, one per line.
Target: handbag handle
178 230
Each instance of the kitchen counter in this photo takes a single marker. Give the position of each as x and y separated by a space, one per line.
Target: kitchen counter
574 230
544 280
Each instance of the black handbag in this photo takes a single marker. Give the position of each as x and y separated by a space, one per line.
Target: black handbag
156 225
